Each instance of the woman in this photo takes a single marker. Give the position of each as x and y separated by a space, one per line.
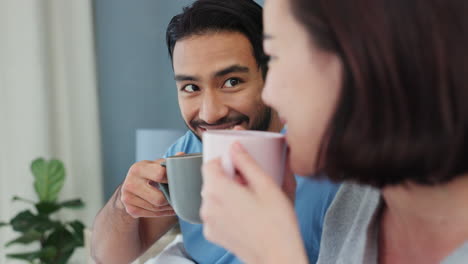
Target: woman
375 94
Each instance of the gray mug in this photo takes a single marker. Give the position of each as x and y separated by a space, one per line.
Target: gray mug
184 185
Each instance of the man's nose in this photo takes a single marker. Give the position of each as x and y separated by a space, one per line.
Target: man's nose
212 108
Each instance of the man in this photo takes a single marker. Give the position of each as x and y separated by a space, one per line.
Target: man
219 66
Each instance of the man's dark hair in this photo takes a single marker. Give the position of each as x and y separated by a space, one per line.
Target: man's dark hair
205 16
402 115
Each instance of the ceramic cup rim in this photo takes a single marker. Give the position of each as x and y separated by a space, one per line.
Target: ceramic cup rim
186 156
245 133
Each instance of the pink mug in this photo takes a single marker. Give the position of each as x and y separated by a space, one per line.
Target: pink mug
267 148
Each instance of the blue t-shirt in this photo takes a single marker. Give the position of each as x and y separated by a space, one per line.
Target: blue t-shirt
313 197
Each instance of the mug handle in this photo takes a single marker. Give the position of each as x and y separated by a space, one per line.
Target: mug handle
164 187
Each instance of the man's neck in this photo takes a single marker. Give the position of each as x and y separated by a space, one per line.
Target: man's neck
424 223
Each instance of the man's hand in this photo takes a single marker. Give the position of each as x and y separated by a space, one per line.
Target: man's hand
139 193
138 210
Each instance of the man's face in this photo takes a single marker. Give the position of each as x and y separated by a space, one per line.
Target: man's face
219 83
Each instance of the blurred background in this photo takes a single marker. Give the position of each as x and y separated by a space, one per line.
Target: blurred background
85 82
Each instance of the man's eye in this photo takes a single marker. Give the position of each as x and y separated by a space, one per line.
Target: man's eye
190 88
232 82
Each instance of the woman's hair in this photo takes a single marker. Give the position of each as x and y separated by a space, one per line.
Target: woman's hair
402 115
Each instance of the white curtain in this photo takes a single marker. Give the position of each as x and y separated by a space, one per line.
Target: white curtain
48 104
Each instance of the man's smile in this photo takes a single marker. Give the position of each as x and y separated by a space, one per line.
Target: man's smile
229 125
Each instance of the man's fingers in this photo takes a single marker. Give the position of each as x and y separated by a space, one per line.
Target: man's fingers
129 200
164 208
137 212
134 200
144 189
152 194
150 170
165 213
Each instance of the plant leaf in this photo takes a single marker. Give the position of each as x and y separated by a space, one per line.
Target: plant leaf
57 176
59 237
25 221
47 252
3 224
78 228
64 241
65 251
25 256
46 208
49 255
44 224
63 258
73 204
50 177
26 238
39 170
17 198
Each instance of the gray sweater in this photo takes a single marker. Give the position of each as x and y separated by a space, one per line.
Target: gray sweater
350 229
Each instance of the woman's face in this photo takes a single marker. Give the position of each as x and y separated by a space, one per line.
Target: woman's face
303 83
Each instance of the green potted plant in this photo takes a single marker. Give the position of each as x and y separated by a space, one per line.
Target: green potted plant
57 239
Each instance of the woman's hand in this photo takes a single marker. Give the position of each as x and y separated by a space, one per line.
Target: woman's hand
253 218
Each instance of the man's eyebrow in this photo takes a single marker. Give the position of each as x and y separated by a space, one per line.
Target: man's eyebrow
231 69
183 77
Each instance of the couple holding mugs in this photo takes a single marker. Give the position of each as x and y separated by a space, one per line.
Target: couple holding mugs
373 94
